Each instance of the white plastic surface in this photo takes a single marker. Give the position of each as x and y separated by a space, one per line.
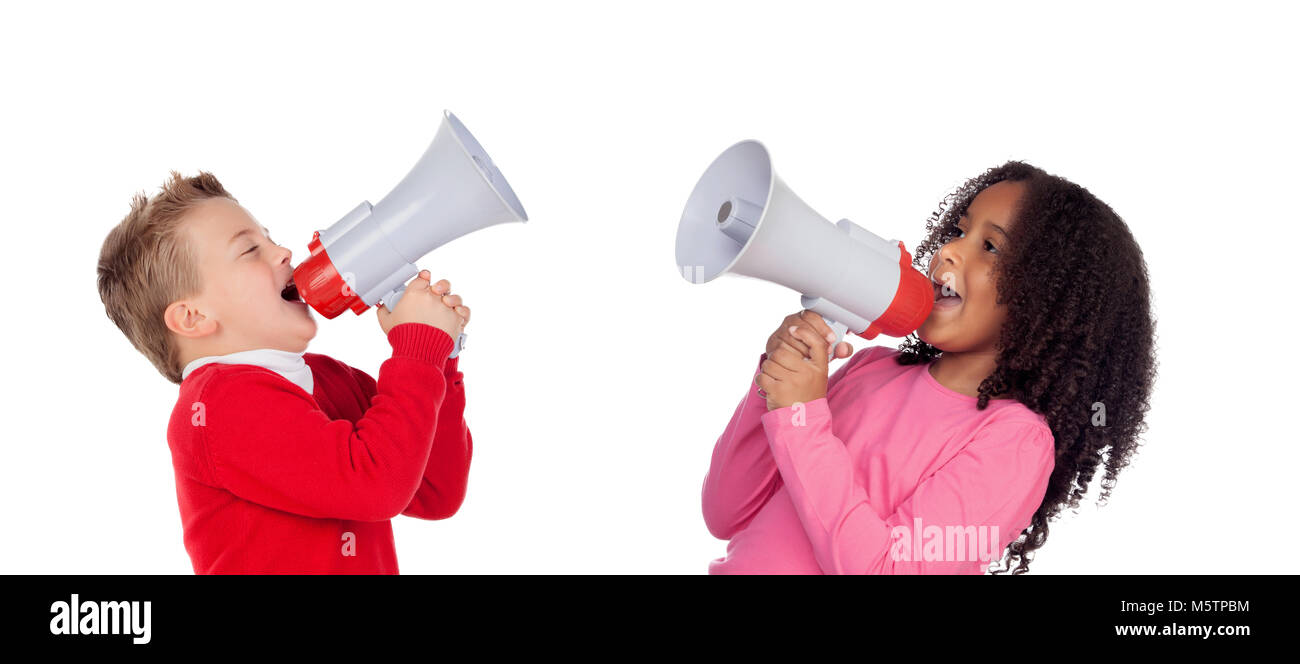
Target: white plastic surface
454 189
791 243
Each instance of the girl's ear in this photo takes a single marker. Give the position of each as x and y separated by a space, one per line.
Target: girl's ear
184 318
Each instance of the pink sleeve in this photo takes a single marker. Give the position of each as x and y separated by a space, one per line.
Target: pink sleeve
997 481
742 474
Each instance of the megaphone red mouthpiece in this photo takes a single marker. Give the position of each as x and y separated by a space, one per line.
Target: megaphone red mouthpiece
322 287
911 305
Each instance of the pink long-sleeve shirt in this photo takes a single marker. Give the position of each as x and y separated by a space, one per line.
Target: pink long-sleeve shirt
889 473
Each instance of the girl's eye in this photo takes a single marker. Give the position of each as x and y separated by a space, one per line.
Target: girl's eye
992 249
254 248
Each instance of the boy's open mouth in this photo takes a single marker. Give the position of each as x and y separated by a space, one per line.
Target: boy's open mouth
290 292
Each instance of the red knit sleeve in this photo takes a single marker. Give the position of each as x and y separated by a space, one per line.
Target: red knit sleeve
442 489
269 443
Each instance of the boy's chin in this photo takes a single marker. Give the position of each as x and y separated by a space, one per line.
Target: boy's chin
308 333
294 336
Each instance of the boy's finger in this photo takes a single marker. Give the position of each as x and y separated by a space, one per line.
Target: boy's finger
420 282
452 301
843 349
443 287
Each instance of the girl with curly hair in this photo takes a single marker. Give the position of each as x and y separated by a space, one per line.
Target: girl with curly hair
1033 369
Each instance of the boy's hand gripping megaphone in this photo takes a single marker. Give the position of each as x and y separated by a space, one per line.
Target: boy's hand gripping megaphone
742 218
367 257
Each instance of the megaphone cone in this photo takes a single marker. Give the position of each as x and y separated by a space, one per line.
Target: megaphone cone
741 218
368 256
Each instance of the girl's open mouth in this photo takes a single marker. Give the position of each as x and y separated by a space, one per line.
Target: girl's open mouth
945 297
951 302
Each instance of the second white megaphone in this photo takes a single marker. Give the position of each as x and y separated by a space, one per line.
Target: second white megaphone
742 218
368 256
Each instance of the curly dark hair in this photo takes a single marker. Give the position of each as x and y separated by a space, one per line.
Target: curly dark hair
1079 338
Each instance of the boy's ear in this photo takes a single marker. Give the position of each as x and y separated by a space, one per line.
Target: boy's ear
184 318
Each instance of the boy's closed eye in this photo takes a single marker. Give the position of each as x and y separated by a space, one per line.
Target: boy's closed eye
256 245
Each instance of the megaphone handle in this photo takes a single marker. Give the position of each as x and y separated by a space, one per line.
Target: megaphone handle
839 329
390 301
833 313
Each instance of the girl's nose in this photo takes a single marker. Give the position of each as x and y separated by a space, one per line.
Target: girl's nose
945 256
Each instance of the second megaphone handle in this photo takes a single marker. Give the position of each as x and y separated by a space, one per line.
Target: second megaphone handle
839 329
833 314
390 301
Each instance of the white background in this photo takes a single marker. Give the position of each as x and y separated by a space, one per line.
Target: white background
598 378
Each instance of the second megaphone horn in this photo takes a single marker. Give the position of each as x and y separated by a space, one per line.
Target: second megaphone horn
741 218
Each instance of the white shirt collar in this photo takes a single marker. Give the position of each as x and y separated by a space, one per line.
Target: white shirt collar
290 365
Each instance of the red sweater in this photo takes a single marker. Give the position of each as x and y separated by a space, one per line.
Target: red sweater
271 479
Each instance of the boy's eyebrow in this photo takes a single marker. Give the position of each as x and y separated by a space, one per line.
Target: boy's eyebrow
245 232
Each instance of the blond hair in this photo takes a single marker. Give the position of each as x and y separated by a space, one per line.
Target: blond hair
146 263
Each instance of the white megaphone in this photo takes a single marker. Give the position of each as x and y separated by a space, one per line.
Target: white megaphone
742 218
368 256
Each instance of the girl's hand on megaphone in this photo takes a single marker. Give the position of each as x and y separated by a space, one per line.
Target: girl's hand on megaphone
784 337
818 325
422 303
788 378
